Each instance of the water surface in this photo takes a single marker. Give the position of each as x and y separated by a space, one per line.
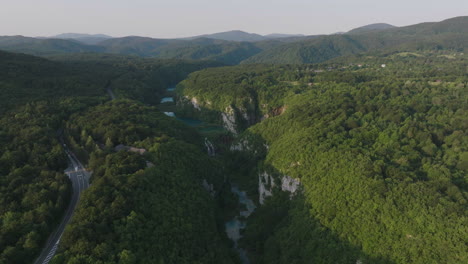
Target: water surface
167 100
235 225
171 114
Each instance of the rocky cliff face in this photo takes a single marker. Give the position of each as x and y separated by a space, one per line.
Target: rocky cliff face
266 183
194 103
229 120
235 118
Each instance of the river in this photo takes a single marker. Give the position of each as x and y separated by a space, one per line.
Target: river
235 225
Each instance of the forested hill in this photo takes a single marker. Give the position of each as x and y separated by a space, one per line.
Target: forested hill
229 52
25 78
42 99
250 48
234 35
380 152
371 27
41 47
449 34
149 208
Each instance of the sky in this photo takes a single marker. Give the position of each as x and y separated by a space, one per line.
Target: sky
183 18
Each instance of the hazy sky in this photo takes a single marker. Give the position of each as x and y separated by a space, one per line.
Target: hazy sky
178 18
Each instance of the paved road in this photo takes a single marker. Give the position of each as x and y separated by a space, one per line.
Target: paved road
80 181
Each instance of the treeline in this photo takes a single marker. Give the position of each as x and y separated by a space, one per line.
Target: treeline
381 154
143 208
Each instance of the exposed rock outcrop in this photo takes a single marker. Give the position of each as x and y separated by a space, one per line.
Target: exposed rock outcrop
194 103
266 184
242 145
229 120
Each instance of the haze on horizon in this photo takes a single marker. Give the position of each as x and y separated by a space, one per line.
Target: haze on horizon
183 18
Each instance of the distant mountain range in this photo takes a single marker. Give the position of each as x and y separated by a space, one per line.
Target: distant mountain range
234 47
233 35
90 39
79 35
238 35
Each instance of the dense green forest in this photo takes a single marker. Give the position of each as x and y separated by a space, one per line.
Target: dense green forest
132 77
375 135
448 34
140 213
25 78
34 191
43 47
380 152
39 96
227 52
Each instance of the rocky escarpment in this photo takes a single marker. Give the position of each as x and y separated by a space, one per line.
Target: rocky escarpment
266 183
229 120
235 117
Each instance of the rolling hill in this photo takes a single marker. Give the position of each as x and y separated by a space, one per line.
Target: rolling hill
228 52
371 27
234 47
42 47
90 39
233 35
448 34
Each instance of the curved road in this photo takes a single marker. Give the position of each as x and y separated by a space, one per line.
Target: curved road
80 181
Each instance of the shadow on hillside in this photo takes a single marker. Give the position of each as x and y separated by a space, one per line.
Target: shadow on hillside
284 231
